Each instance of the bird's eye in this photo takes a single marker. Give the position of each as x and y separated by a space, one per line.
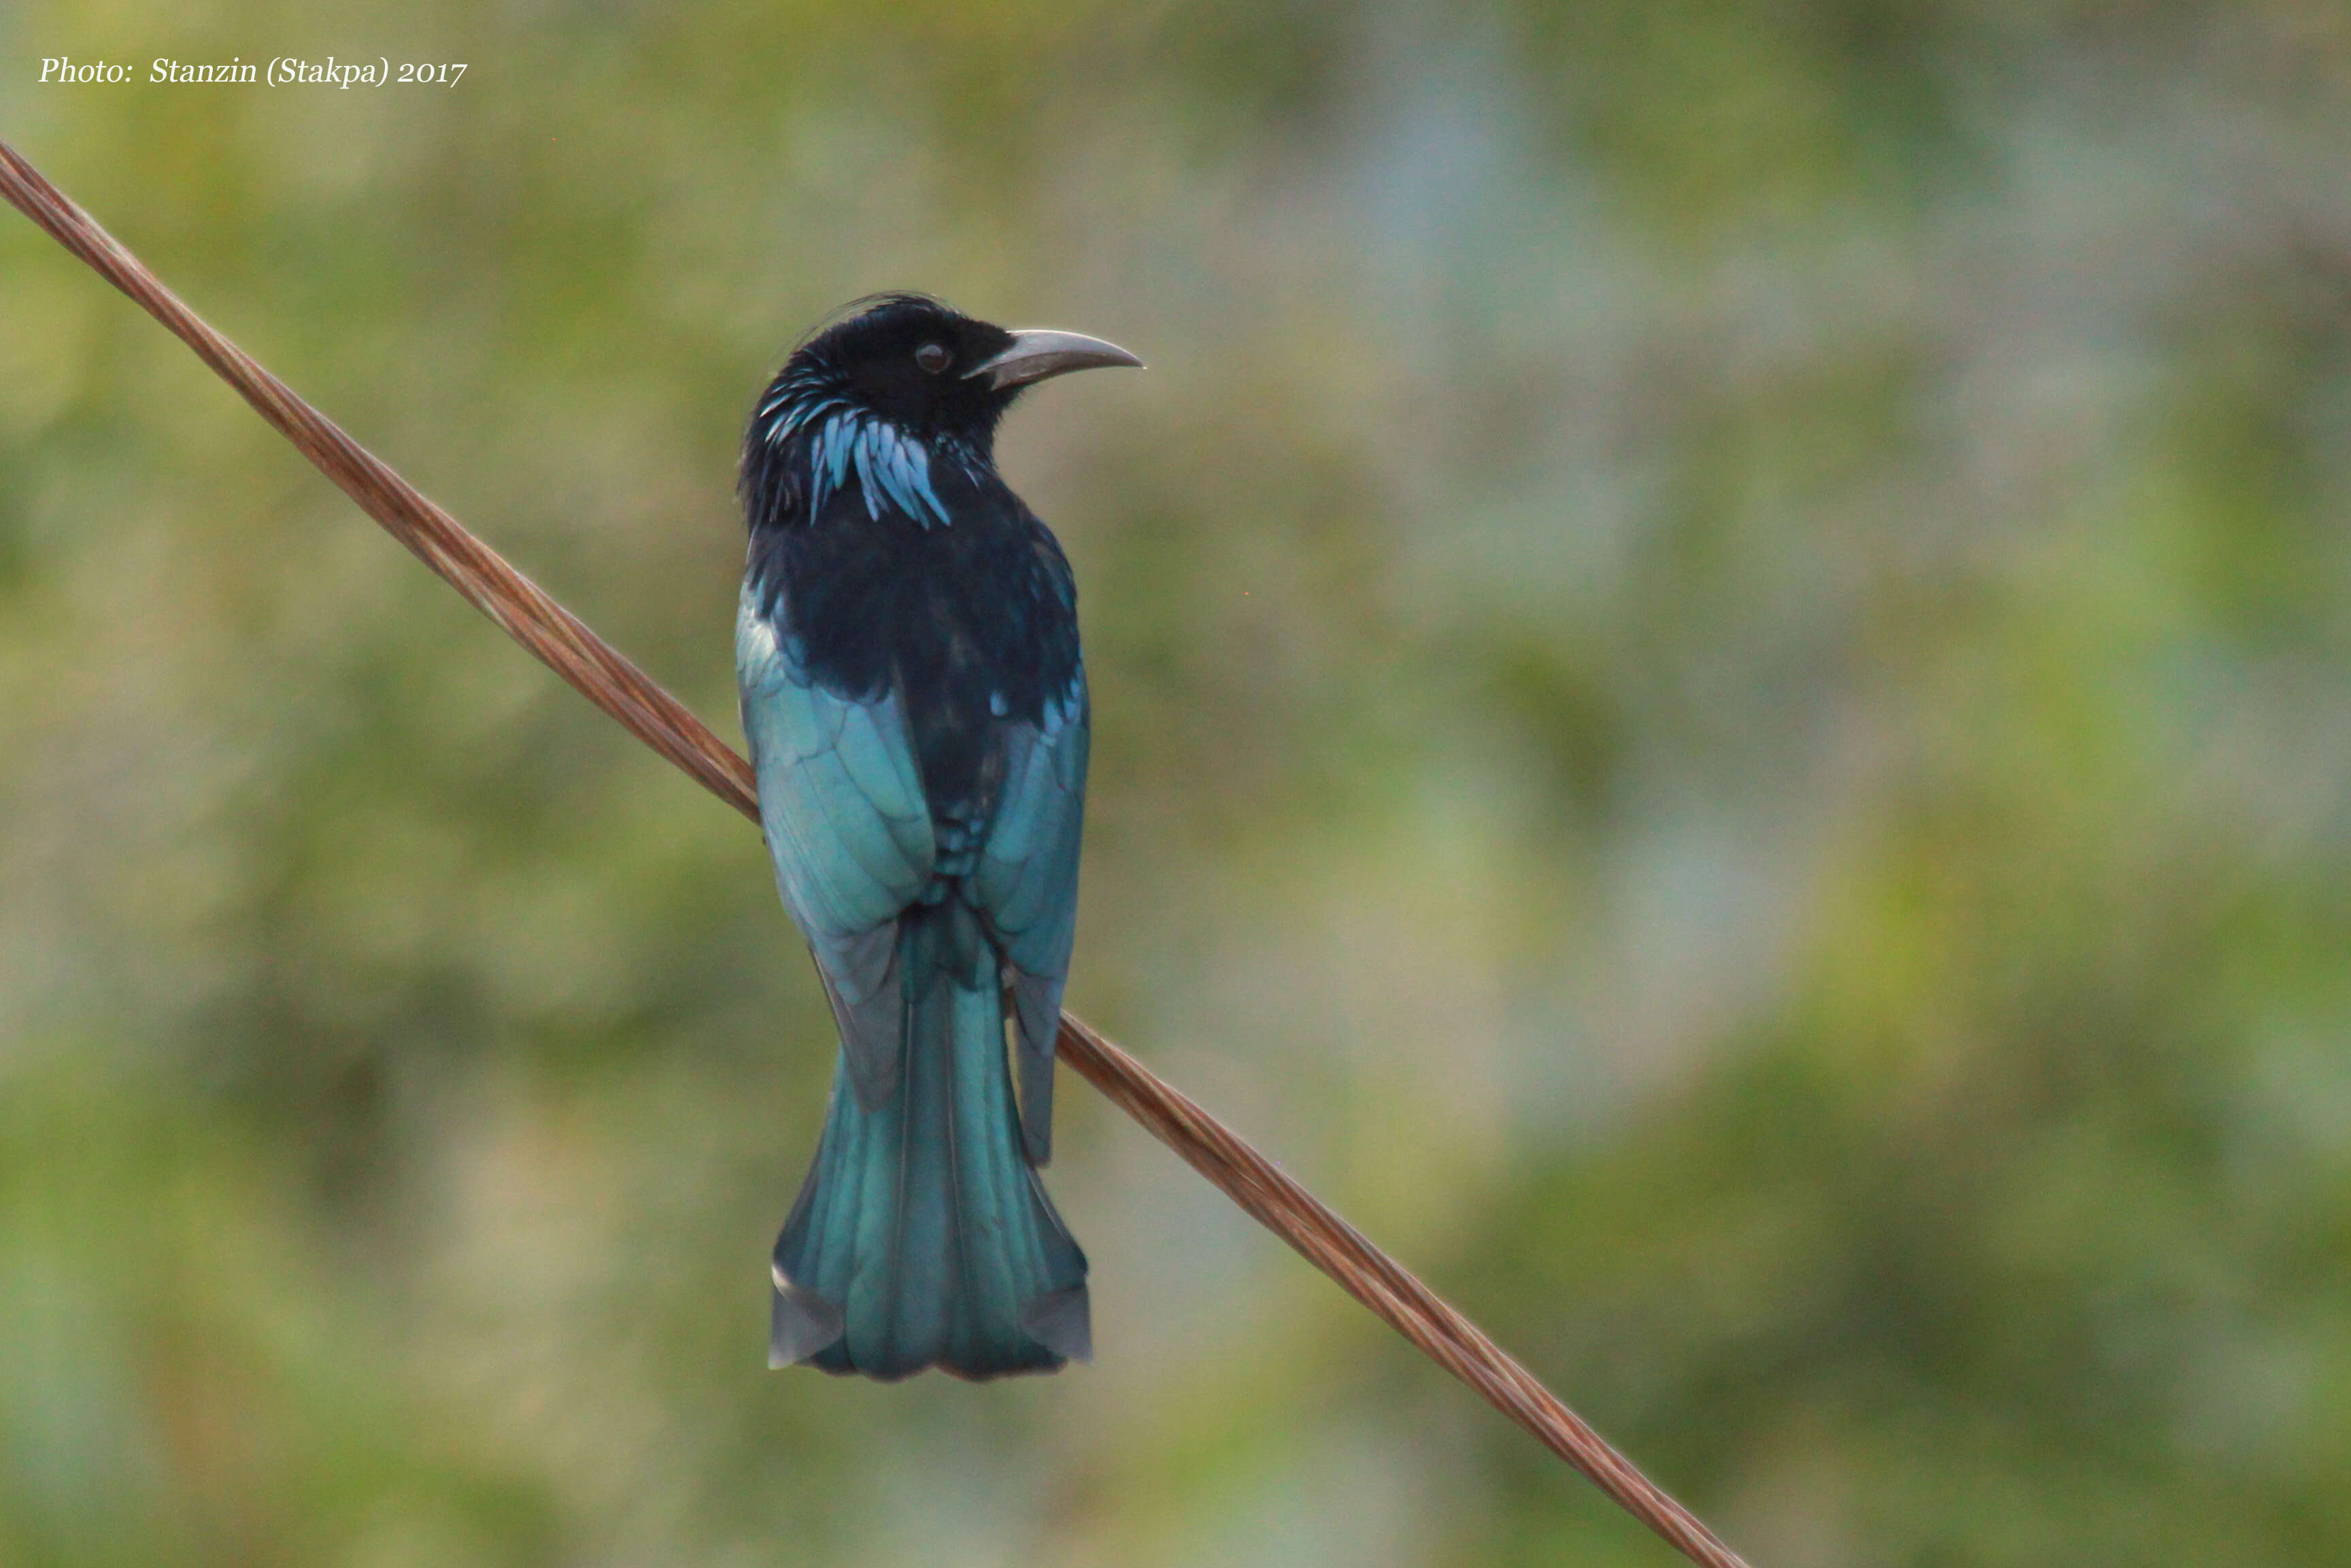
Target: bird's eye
932 358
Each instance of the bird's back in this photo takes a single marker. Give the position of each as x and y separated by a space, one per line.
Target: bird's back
972 626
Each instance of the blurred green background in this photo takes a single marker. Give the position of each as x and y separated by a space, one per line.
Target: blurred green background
1721 637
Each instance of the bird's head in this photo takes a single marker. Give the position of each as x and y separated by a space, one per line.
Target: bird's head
904 379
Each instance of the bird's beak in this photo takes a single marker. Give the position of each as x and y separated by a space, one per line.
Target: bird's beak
1037 353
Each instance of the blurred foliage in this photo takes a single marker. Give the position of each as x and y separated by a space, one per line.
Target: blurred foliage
1719 639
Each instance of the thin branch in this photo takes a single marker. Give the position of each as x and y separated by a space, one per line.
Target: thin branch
610 681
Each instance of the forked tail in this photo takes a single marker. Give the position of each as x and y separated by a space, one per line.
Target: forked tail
922 1236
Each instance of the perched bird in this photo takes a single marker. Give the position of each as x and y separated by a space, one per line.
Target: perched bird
907 650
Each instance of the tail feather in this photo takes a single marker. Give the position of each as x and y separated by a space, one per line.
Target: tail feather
922 1236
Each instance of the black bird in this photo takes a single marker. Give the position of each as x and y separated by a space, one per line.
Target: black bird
907 650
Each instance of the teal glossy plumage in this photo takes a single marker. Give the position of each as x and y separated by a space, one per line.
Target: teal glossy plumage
907 653
922 1220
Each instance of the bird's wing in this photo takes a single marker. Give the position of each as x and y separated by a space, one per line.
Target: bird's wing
1024 885
848 828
